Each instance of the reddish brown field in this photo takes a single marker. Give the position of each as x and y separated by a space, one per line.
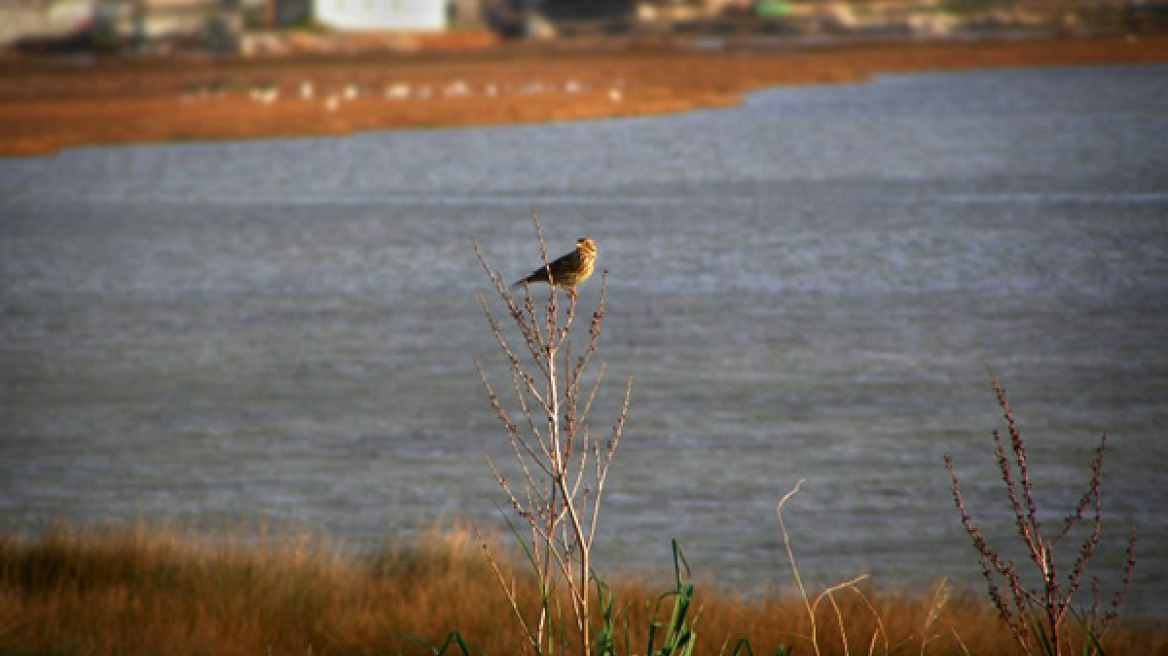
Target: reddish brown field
46 106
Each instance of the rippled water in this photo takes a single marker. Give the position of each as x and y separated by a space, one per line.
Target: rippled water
808 286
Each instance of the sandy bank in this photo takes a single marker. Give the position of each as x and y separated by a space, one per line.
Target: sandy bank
48 106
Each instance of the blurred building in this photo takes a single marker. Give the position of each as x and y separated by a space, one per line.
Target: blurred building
44 19
88 24
169 19
222 25
425 15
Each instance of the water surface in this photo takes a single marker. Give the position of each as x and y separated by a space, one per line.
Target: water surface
809 286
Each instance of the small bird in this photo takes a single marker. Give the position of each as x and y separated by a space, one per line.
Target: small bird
569 269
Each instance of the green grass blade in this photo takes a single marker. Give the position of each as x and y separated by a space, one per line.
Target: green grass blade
453 639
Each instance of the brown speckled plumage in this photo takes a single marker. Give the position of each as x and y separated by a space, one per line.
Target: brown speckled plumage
568 270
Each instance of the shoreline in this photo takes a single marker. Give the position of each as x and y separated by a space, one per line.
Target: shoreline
45 107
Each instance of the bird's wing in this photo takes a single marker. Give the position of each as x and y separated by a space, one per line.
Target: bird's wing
539 275
566 261
559 266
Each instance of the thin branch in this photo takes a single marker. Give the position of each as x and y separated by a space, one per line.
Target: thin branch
1019 606
563 467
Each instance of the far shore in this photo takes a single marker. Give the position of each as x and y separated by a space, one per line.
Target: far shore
49 105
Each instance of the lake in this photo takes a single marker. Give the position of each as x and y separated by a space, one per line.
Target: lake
808 286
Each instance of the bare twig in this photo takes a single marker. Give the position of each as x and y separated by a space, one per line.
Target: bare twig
1016 602
828 594
564 467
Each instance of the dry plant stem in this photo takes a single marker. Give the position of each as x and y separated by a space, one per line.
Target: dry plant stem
813 606
959 641
879 631
563 466
508 589
1010 595
940 598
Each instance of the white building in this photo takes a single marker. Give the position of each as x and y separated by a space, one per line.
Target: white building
419 15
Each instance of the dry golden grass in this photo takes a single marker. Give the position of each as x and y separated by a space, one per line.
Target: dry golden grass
160 591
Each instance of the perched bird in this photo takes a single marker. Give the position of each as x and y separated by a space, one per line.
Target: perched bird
567 270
